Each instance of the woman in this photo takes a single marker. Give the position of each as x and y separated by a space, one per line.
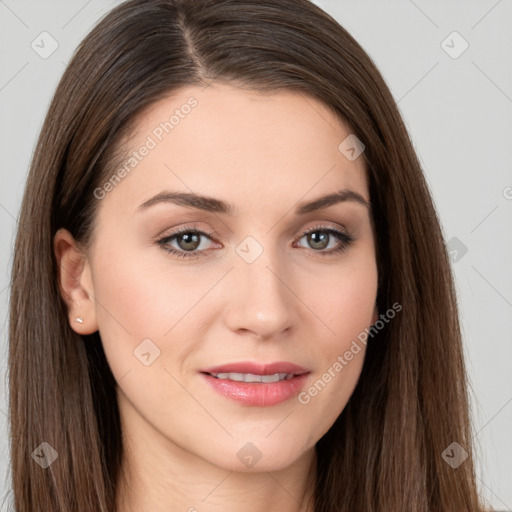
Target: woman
203 165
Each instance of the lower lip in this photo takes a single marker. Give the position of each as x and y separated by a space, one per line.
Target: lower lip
258 393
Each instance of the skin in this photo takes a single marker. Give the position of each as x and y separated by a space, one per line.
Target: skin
264 153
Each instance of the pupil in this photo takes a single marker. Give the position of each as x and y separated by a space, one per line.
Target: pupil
318 242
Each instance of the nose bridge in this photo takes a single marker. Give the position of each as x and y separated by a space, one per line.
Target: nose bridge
261 274
261 302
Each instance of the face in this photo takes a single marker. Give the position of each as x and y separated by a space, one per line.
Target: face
178 285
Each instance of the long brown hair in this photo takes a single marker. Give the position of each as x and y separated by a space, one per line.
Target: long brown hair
384 452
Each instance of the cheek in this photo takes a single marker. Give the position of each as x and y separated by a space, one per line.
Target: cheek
139 299
143 298
345 302
348 311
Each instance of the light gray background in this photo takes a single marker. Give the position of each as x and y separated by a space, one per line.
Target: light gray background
459 114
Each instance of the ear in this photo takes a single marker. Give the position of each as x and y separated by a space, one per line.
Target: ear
75 282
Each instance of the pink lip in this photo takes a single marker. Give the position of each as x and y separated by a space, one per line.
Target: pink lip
257 393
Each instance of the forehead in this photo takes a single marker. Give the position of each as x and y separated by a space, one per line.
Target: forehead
242 145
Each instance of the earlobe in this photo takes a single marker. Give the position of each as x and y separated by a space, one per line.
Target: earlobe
75 285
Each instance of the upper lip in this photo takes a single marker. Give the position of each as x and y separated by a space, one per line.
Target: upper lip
257 368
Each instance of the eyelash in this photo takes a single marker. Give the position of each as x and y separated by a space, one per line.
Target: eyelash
346 239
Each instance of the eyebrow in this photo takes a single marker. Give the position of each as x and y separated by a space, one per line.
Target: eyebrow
211 204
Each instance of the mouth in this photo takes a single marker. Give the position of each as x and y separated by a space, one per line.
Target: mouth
256 384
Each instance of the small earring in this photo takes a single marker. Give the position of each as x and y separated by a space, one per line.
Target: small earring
80 320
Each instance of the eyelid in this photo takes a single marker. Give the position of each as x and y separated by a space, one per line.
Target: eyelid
186 229
324 227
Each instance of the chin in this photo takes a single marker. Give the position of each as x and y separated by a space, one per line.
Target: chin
258 456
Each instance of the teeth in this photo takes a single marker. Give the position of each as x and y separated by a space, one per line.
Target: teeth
250 377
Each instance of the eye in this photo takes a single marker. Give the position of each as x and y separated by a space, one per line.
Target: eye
188 241
320 238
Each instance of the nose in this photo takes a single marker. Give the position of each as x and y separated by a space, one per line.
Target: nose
261 300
